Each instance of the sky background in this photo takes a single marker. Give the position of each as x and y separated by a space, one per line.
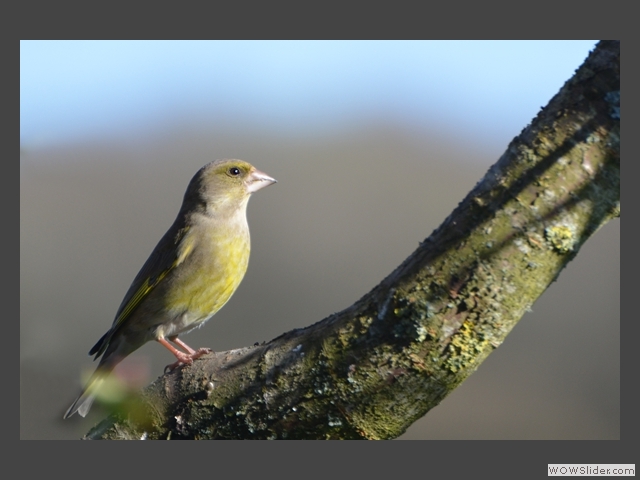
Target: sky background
373 145
78 90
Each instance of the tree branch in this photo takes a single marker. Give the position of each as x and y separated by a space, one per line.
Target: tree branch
373 369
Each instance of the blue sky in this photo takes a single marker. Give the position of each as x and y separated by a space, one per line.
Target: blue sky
74 90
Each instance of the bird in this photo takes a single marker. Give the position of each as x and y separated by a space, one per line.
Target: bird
191 273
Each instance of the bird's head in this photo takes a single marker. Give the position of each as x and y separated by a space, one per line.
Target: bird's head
224 186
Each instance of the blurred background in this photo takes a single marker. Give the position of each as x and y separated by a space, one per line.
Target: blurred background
373 144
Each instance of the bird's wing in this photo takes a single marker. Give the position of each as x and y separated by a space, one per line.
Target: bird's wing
170 252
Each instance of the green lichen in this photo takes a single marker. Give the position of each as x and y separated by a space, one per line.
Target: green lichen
561 238
465 348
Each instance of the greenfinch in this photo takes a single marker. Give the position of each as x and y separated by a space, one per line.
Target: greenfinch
191 273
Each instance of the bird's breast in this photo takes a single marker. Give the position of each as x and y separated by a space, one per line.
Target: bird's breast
208 277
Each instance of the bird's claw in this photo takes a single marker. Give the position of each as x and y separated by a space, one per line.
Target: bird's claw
186 358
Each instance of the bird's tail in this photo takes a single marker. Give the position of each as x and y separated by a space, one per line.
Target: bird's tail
85 400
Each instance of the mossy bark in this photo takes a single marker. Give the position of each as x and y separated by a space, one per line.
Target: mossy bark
373 369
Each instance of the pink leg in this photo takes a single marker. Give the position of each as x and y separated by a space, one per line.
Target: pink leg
194 354
183 358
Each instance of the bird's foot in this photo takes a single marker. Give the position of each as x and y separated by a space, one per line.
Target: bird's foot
200 352
186 358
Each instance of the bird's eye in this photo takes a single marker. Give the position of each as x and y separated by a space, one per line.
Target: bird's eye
234 171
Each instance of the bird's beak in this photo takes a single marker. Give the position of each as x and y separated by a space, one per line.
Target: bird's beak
257 180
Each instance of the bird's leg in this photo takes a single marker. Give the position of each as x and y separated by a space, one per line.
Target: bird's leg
193 353
186 347
183 358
